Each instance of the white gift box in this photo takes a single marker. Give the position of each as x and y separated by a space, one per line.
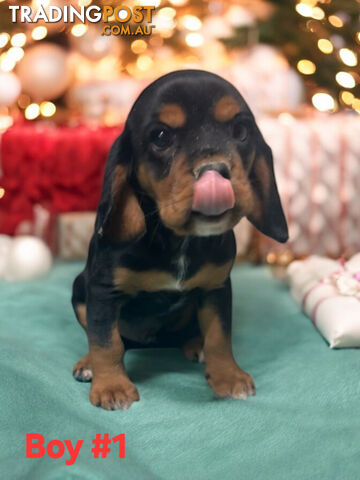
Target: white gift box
329 293
74 233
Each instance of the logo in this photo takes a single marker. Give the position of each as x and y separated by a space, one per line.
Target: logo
121 20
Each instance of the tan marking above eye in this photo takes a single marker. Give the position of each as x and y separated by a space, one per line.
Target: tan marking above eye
172 115
226 108
209 276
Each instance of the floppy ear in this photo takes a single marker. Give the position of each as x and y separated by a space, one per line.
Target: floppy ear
267 214
119 216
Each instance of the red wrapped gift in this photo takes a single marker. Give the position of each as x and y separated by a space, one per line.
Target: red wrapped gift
59 167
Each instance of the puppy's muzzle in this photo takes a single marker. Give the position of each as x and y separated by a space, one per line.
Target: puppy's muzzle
213 191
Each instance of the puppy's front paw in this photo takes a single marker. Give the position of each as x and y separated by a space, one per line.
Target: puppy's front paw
119 393
234 382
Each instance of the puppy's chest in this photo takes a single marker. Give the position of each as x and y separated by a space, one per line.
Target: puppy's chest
181 273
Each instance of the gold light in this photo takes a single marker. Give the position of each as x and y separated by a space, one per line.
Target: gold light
348 57
168 12
325 46
356 105
306 67
149 3
4 38
144 62
358 37
190 22
335 21
345 79
318 13
47 109
79 30
347 97
178 3
138 46
194 39
84 3
304 9
2 192
18 40
6 63
39 33
15 53
323 102
32 111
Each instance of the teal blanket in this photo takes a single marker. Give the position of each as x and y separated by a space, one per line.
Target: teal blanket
304 422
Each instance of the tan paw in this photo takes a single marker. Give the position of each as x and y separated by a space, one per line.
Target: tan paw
113 395
193 350
82 370
233 383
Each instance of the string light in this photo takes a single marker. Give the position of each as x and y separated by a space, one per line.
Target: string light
32 111
39 33
15 53
18 40
47 109
311 3
323 102
306 67
79 30
190 22
318 13
335 21
348 57
194 39
345 79
6 63
138 46
2 192
325 46
4 38
356 105
168 12
347 98
178 3
144 62
304 9
150 3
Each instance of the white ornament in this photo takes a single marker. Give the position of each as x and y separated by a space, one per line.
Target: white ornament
95 46
10 88
23 258
45 71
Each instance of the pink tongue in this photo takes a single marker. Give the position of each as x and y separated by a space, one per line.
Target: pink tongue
213 194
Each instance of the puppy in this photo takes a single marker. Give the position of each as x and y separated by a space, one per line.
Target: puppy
190 163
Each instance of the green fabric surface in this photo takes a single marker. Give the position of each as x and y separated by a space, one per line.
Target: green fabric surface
303 423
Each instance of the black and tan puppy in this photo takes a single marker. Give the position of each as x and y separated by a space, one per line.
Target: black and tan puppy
190 163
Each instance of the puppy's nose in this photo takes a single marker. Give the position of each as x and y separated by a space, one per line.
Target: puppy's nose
219 167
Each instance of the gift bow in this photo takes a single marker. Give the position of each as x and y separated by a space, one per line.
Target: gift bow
344 281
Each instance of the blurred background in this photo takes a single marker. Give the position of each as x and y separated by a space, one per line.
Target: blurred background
66 89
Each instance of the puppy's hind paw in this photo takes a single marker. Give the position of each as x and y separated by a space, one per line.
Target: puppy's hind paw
193 350
82 370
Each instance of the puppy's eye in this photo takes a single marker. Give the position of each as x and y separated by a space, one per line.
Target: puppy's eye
161 138
240 129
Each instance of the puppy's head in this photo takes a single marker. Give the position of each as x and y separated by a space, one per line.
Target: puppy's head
191 144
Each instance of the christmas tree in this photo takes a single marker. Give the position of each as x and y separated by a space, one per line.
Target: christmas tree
58 68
